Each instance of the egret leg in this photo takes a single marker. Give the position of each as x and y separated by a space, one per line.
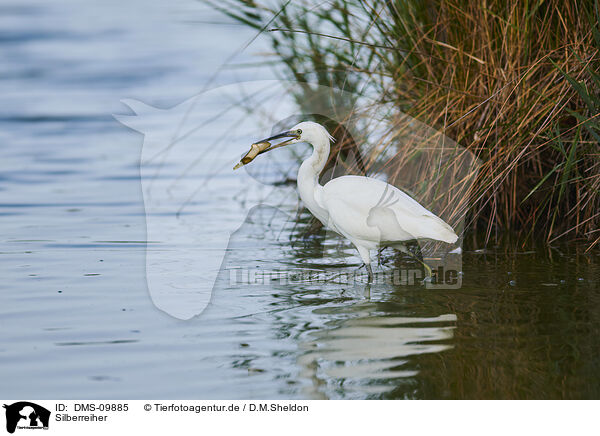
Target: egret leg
428 272
404 249
379 256
369 273
366 258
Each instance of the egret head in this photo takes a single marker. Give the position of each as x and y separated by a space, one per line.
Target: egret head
306 131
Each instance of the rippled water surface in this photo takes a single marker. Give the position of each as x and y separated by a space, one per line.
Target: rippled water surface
77 318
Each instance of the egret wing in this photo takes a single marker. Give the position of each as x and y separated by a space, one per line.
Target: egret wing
369 209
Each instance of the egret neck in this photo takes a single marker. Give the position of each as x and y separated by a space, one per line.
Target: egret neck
308 177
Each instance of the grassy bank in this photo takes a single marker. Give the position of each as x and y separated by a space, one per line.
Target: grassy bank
517 84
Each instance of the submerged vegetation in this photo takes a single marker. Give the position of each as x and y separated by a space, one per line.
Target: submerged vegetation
517 84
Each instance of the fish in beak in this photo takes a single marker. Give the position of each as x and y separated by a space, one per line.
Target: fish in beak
265 145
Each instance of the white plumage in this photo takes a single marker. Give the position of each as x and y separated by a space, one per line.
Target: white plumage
367 211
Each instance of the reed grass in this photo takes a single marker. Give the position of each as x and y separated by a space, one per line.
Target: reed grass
515 83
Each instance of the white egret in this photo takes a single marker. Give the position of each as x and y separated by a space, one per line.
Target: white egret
367 211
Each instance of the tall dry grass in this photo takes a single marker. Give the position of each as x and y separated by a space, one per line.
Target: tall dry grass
515 83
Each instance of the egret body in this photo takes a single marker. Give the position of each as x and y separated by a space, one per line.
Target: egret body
367 211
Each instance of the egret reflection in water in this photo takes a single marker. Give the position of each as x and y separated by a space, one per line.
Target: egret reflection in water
370 354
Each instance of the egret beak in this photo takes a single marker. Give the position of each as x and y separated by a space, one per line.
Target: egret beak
288 134
265 145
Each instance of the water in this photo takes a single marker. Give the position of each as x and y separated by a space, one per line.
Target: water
76 314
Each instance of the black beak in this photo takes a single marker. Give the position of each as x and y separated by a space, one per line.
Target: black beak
288 134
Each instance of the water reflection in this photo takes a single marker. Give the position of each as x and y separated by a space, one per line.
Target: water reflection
368 353
521 326
352 341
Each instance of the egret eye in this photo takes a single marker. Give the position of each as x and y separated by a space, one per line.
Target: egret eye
299 131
